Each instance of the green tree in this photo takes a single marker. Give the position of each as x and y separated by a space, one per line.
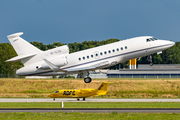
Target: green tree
7 52
41 46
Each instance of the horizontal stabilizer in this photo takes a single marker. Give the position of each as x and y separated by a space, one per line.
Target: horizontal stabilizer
20 57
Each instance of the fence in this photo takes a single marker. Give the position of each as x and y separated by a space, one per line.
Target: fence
143 76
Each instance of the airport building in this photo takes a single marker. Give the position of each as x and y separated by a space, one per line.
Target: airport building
147 71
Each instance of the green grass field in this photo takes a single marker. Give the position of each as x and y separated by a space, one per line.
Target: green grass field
92 105
118 88
89 116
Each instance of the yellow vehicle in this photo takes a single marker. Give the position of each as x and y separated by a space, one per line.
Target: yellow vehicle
81 93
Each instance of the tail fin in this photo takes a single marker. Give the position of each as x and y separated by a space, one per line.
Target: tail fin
103 86
102 90
21 46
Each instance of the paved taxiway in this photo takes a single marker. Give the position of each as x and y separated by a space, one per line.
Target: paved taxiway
87 100
93 110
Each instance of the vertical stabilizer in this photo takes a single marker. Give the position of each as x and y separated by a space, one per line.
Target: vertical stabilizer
102 89
103 86
21 46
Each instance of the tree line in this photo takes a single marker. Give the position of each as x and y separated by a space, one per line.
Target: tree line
169 56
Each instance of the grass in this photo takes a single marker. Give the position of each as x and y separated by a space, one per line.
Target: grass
90 116
119 88
92 105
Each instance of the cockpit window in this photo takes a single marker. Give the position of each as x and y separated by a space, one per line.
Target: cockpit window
151 39
155 38
56 92
147 40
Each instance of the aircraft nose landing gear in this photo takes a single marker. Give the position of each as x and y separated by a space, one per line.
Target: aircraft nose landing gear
149 58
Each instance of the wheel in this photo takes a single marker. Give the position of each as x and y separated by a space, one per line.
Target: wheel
151 64
77 99
87 80
84 99
54 99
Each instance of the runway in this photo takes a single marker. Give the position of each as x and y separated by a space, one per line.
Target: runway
93 110
87 100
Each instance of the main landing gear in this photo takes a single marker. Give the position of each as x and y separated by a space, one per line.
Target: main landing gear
149 58
79 99
87 79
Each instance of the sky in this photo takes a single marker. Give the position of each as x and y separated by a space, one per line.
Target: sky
69 21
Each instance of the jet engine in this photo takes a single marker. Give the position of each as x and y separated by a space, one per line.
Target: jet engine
58 62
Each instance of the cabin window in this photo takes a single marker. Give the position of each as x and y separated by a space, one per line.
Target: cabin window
147 40
117 49
83 58
121 48
101 53
87 57
113 50
56 92
96 54
125 47
109 51
79 59
105 52
92 56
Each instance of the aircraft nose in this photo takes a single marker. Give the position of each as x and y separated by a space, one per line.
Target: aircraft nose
168 43
171 42
50 95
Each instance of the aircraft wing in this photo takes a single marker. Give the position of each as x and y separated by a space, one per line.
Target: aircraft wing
92 67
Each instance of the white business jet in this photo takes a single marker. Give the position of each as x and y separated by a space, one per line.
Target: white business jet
58 61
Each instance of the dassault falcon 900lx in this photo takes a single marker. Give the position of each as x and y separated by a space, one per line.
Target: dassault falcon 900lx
58 61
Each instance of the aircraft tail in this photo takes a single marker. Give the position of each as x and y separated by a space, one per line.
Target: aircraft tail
103 86
24 49
21 46
102 89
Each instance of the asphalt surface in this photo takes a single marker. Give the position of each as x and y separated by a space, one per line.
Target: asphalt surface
93 110
87 100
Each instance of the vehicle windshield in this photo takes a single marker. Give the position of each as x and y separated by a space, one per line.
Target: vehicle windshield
151 39
56 92
155 38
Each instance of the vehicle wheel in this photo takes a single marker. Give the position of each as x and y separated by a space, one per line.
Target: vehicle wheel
83 99
77 99
54 99
151 64
87 80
